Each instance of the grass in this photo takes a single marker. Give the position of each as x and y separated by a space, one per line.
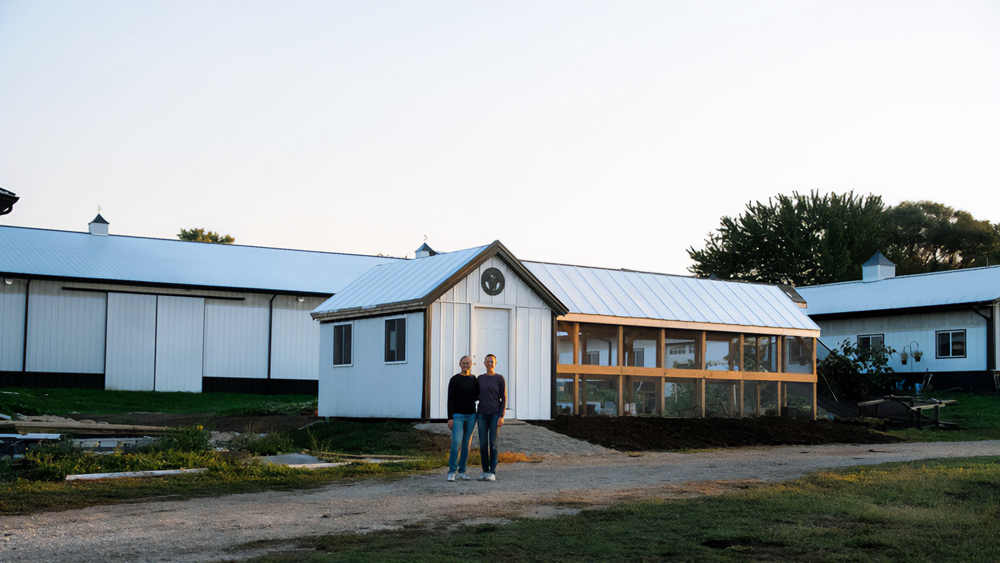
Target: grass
978 417
94 401
943 511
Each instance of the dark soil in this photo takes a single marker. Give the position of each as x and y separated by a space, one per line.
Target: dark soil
627 433
624 433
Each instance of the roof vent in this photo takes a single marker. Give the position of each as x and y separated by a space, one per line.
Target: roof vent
424 251
99 226
878 268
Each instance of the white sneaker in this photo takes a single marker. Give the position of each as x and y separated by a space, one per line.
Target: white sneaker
490 477
451 476
482 477
464 477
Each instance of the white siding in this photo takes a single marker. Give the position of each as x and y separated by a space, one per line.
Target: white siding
530 353
295 339
12 325
65 329
515 292
236 337
131 350
534 357
916 331
180 333
450 340
370 387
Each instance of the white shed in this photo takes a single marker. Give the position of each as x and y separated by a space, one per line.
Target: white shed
391 340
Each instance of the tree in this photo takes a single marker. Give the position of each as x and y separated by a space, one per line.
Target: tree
931 236
200 235
798 240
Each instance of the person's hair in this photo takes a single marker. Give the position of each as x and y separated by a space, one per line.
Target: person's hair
490 356
465 357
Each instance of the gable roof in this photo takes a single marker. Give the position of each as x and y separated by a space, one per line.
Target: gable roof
415 284
643 295
48 254
936 289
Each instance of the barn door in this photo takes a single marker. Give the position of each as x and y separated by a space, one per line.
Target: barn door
492 330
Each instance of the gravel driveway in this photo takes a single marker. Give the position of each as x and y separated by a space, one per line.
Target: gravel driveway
582 475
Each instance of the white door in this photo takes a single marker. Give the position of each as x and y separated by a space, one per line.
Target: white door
180 331
492 330
131 348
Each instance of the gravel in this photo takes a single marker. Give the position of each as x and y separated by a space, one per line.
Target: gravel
572 476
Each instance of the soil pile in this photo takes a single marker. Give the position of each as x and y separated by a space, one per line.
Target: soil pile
627 433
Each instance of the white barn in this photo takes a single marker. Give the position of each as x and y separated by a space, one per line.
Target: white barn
94 310
944 325
392 339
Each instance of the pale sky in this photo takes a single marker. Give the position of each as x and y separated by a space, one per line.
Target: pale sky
612 133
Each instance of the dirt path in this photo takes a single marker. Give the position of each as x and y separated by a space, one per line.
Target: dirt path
212 529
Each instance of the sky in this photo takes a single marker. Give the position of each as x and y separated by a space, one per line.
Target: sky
611 133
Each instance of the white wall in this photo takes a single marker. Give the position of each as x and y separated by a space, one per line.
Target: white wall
236 337
915 331
65 329
295 338
370 387
12 324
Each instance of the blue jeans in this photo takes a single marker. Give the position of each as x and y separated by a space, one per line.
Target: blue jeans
488 441
461 437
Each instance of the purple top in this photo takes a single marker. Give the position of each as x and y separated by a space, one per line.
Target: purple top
492 394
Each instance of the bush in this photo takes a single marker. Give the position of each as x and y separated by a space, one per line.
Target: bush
262 444
182 439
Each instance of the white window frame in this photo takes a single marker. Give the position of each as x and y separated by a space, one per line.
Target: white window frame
385 349
350 349
870 337
951 343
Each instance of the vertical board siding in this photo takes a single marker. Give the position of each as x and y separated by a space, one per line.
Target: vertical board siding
131 348
295 339
12 302
180 334
370 387
236 335
450 340
65 329
529 352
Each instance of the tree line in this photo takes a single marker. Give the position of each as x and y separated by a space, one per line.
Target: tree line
810 239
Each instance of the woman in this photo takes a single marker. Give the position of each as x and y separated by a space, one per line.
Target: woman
492 406
463 392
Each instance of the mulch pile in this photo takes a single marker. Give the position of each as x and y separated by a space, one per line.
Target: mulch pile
629 433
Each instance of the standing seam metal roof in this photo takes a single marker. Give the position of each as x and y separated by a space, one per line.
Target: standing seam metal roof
952 287
620 293
64 254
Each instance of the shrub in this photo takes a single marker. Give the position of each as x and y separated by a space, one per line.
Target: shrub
182 439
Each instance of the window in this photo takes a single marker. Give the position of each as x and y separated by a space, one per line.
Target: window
395 340
870 342
951 344
342 345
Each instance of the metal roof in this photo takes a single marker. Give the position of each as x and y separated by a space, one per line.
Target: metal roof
623 293
416 283
951 287
75 255
406 281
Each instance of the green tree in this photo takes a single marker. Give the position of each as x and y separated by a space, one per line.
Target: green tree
931 236
798 240
200 235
